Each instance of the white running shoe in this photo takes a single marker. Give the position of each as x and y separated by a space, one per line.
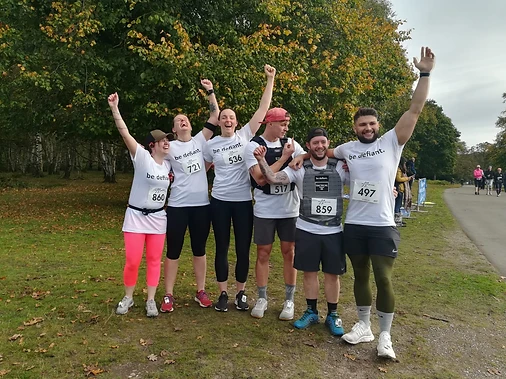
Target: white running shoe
124 305
288 311
151 309
385 349
259 308
359 333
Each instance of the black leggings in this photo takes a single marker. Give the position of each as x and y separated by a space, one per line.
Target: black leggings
240 213
197 220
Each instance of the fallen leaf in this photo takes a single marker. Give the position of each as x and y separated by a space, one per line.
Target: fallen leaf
200 337
152 357
40 350
144 342
33 321
42 335
15 337
350 357
493 371
29 368
312 344
235 345
4 372
114 347
177 329
51 345
92 370
169 362
164 353
382 369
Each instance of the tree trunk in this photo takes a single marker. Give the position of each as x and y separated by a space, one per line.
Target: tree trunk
37 161
108 159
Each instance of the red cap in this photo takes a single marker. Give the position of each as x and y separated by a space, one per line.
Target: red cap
276 114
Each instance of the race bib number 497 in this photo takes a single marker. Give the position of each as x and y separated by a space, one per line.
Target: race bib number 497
364 190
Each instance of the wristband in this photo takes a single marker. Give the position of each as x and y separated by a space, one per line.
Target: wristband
210 92
210 126
422 74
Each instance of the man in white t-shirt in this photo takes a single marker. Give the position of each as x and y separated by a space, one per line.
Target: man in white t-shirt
276 209
318 237
370 235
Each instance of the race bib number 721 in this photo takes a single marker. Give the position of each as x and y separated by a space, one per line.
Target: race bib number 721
364 190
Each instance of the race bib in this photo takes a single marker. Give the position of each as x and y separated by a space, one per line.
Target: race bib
280 189
157 195
191 165
233 156
364 190
324 207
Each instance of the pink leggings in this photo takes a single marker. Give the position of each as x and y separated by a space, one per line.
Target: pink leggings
134 247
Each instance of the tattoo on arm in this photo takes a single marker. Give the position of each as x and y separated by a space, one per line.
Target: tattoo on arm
277 178
212 107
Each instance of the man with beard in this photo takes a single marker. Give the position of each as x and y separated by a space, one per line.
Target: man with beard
370 235
318 236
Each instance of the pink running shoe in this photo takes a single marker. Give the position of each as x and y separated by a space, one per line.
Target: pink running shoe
203 300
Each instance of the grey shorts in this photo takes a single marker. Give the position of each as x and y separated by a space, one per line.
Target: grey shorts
371 240
311 249
265 229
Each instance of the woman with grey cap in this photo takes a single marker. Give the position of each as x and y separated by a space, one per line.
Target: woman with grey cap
145 221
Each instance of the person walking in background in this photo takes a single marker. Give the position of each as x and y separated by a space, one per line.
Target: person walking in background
401 179
498 181
145 222
478 177
411 170
489 180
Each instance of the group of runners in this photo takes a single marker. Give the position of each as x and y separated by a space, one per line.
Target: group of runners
302 203
487 180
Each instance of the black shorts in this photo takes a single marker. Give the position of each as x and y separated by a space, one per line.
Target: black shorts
264 230
371 240
311 249
477 182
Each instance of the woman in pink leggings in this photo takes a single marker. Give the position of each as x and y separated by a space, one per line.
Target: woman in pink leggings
145 221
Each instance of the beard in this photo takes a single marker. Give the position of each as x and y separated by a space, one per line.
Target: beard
316 157
362 139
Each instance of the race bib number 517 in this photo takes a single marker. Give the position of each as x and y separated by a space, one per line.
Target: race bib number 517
364 190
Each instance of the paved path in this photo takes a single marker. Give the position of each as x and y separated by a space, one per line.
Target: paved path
483 219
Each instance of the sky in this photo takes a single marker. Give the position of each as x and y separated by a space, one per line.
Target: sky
468 38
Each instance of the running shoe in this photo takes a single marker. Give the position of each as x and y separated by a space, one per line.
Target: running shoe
222 304
308 318
259 308
288 311
203 300
151 309
167 303
359 333
124 305
335 324
241 301
385 349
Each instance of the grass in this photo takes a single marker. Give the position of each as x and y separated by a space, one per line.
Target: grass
61 261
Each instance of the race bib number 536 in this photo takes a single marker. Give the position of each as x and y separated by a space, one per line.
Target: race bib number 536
364 190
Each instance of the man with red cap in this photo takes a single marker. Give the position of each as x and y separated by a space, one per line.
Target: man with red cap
276 208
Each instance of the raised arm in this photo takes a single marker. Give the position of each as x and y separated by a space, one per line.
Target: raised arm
406 124
214 110
270 177
130 141
265 101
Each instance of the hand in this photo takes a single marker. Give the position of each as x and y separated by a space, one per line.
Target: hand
270 71
288 149
427 60
395 193
297 162
259 152
113 100
345 167
207 84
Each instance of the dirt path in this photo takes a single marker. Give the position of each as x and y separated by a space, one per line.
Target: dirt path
483 219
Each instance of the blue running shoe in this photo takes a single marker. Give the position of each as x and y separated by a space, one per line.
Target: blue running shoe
308 318
335 324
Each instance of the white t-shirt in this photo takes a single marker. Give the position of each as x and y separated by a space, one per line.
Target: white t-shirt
297 177
231 181
273 206
149 190
372 168
189 188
